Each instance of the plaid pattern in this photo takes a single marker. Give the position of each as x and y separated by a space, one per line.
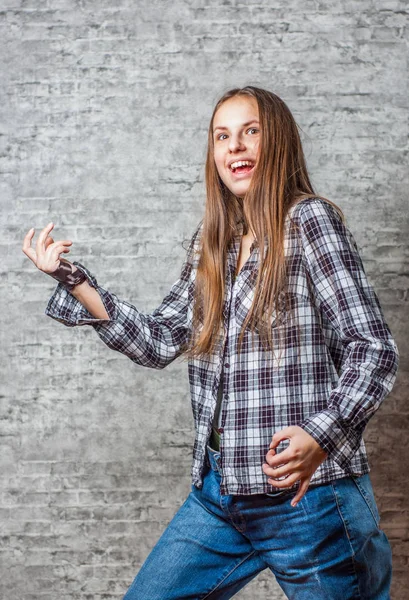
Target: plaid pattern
329 376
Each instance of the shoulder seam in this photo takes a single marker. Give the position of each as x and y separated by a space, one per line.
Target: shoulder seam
321 203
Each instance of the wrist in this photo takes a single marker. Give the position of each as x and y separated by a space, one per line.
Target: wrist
67 262
68 275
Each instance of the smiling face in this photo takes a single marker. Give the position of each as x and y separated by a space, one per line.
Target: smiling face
236 137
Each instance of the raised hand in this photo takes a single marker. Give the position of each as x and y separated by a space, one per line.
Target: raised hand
46 255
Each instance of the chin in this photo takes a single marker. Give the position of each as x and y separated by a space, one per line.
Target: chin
238 191
241 193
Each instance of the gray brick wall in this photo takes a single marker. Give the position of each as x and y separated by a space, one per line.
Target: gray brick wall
104 111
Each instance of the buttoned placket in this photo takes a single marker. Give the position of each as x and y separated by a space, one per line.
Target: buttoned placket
229 323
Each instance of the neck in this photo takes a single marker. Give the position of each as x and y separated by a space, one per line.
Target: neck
247 231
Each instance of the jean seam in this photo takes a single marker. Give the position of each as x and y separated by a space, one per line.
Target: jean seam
228 574
353 560
364 496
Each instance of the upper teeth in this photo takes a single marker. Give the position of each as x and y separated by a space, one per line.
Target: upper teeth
241 163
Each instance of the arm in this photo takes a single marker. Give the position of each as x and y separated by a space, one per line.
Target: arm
347 299
89 297
151 340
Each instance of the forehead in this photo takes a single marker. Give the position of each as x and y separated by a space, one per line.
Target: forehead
236 111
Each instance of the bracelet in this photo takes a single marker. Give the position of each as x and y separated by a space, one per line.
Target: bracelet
65 276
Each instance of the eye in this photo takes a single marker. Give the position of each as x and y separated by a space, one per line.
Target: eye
218 137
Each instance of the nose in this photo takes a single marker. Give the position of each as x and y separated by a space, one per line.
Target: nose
236 143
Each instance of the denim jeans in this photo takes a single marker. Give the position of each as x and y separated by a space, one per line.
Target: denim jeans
329 547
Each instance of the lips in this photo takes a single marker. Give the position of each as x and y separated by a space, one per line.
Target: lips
241 172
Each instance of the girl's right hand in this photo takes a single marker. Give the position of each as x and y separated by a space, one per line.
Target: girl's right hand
46 255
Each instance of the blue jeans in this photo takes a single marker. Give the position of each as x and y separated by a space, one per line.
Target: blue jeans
329 547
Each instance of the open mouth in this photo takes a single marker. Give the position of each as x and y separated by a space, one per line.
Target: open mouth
242 168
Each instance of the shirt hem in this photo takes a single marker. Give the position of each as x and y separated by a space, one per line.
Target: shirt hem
244 489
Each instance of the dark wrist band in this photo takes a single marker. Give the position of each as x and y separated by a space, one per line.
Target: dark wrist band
65 276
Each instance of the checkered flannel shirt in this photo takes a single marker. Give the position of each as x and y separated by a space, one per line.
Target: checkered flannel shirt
329 379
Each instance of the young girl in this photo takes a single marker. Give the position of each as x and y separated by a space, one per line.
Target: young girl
289 357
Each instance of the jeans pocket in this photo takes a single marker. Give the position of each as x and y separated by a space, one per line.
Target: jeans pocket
364 486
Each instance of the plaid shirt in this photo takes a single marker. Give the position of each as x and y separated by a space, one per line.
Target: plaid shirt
329 380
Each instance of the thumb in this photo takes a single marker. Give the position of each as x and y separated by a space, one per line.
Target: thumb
283 434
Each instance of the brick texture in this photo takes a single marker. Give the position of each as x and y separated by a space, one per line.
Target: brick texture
104 114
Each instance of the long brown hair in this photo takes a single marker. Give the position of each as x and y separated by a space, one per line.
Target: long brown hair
279 180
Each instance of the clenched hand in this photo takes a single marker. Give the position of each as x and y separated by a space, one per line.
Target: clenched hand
299 461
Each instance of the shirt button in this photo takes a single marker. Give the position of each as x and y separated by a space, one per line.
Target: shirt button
226 365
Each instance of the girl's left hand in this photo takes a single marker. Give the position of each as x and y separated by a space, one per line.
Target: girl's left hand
299 461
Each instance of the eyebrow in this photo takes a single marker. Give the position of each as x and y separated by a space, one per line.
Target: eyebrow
244 125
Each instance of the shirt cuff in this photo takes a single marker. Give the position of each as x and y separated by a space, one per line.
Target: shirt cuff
69 311
332 434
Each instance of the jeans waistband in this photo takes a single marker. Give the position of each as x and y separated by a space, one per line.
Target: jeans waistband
213 458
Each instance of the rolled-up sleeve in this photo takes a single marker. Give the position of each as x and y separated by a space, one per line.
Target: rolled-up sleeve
151 340
349 302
